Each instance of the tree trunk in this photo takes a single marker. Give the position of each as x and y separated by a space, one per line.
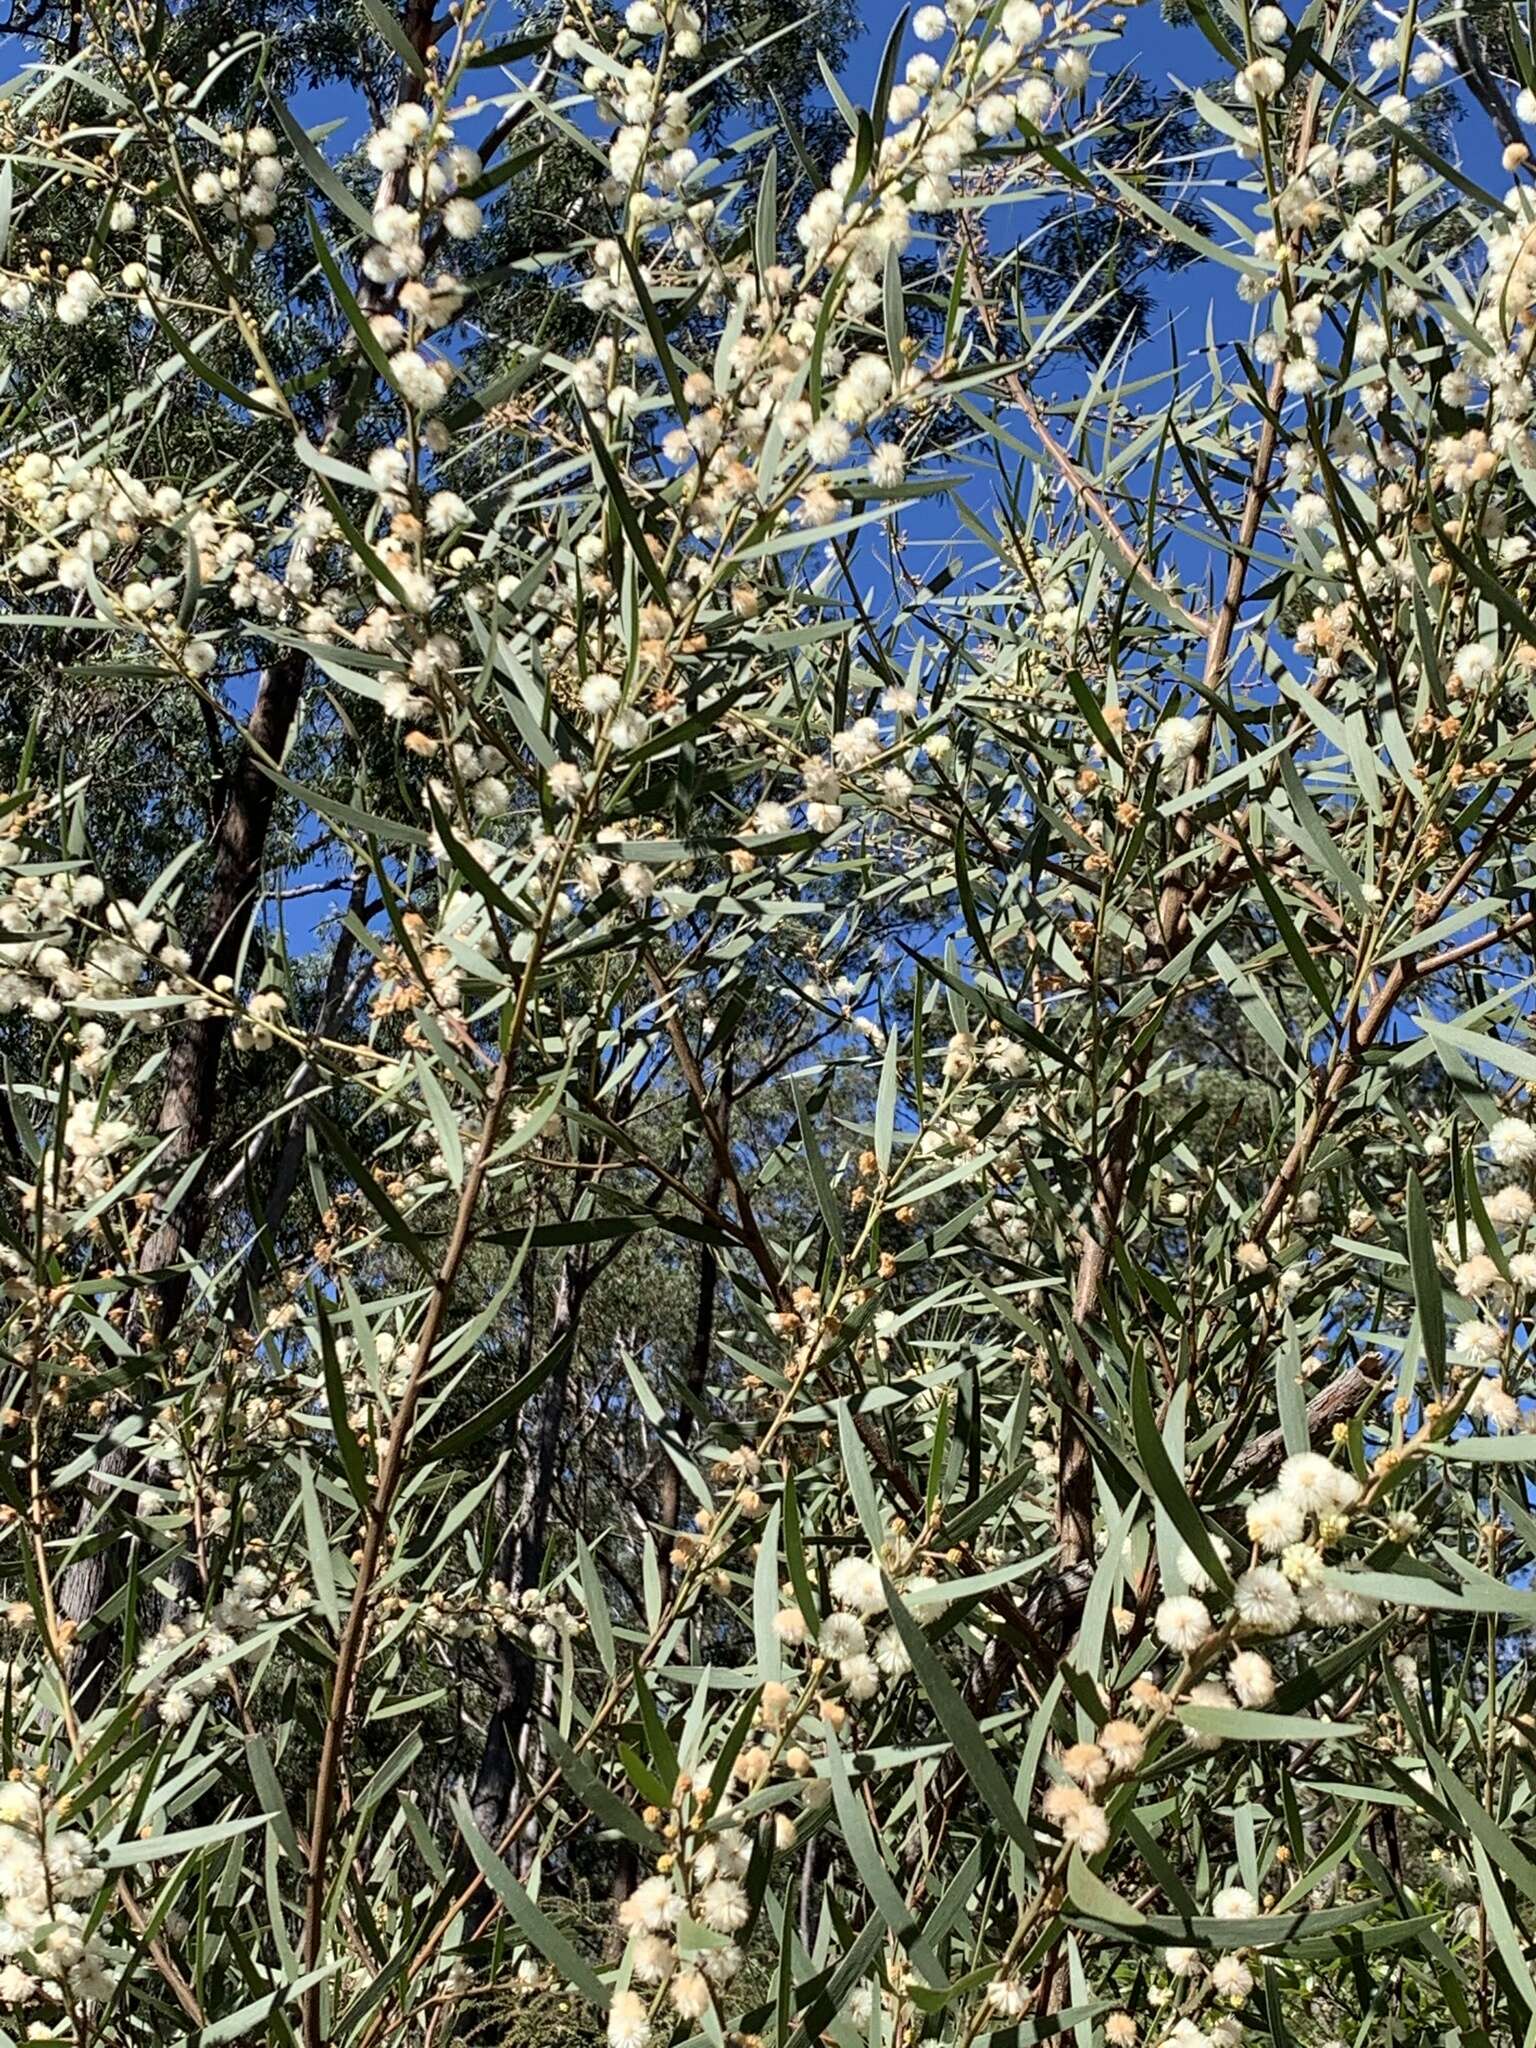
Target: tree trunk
285 1177
188 1110
520 1555
189 1105
669 1485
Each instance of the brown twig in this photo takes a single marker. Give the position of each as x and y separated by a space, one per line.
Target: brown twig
1345 1398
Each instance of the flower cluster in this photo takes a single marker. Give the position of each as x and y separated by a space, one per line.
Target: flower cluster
534 1617
244 190
703 1886
187 1661
52 1941
841 1643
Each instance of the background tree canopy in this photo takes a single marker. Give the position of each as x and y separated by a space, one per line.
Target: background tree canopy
766 986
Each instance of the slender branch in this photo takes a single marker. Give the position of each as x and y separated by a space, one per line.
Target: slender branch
1133 559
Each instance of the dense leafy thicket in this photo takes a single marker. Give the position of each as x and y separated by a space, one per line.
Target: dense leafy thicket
769 1207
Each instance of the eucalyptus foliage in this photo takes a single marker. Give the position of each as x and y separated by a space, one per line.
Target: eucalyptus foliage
765 978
